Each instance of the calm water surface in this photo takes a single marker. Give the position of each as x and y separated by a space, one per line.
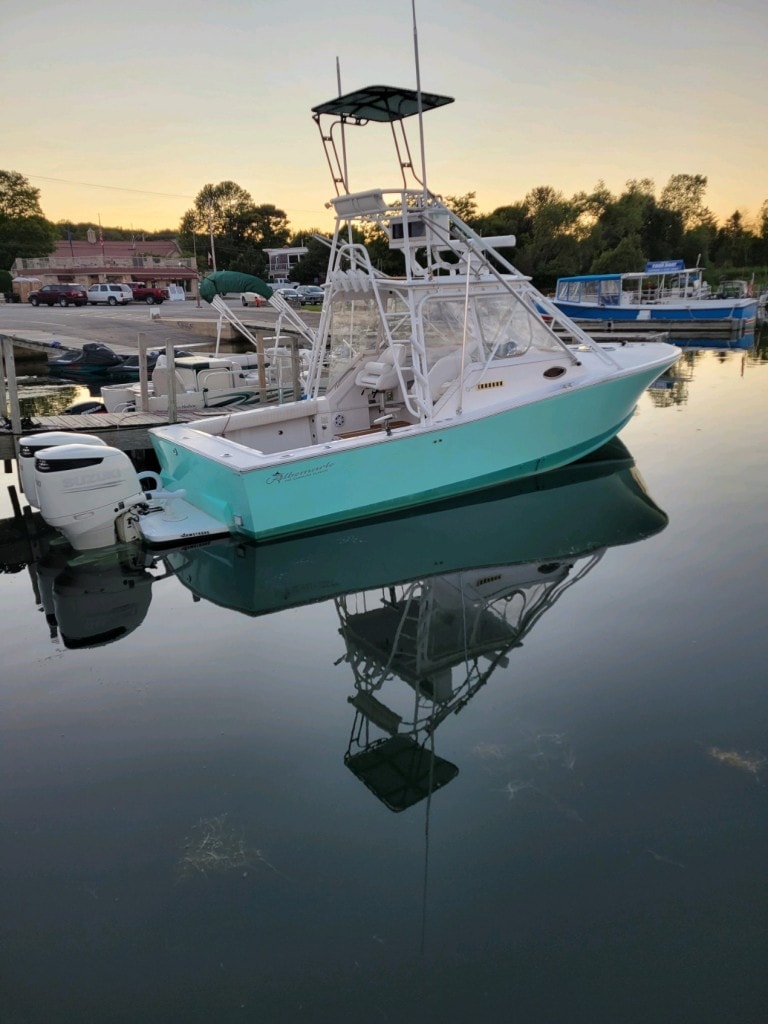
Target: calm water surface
506 760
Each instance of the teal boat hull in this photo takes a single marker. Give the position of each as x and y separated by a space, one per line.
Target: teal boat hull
339 482
598 502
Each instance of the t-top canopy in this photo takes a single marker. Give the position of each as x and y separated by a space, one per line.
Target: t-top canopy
381 103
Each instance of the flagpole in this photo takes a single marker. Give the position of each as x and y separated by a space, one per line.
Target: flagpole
212 253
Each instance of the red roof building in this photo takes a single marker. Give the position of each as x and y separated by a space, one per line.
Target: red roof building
93 262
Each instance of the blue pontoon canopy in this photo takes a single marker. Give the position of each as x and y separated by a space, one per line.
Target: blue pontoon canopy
592 277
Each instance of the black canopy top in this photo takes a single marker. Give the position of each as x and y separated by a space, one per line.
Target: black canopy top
381 103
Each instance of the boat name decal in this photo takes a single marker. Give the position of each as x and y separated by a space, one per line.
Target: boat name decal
302 474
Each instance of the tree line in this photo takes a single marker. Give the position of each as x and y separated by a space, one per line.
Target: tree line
556 235
599 232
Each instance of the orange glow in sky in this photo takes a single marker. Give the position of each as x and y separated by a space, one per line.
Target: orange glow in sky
126 113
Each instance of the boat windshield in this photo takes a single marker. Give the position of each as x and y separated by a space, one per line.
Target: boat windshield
496 325
496 328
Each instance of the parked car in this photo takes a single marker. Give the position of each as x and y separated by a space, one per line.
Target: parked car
310 294
253 299
111 294
143 292
59 295
290 295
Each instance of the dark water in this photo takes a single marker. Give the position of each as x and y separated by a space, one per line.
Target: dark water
547 802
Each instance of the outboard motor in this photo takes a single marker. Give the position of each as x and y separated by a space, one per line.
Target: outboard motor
34 443
84 490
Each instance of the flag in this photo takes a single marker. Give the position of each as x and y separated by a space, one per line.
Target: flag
210 260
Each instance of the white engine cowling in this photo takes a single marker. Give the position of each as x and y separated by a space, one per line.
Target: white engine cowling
83 490
34 443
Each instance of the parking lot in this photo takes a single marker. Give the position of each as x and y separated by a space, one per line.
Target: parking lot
120 326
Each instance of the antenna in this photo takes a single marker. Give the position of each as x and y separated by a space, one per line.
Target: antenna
419 102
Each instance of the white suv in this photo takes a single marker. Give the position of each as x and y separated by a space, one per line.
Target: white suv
112 294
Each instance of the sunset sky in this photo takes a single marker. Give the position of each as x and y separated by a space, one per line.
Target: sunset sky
124 112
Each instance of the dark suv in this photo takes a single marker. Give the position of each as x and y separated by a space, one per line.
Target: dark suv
59 295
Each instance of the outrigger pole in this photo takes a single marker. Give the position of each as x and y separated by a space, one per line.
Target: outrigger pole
344 169
419 102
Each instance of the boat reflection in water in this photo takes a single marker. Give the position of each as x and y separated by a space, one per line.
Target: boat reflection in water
429 604
94 599
744 342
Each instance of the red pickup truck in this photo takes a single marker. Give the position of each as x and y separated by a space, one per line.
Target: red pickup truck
143 292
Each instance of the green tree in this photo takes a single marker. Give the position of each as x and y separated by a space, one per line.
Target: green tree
79 233
763 220
761 241
625 257
507 220
269 227
550 248
684 194
646 229
18 198
312 268
590 208
699 242
240 229
464 206
733 243
24 231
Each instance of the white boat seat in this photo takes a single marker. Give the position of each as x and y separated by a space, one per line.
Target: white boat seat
443 374
381 374
215 379
160 381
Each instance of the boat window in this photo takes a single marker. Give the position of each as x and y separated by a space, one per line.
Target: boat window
609 293
589 292
495 328
569 291
354 329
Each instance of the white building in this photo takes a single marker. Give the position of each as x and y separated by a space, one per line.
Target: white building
282 261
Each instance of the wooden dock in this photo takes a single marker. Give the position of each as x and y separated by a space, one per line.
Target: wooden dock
729 328
128 431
